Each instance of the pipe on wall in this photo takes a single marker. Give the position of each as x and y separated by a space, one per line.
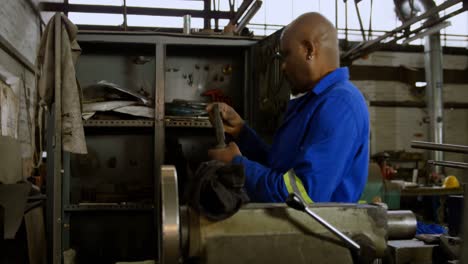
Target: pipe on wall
406 9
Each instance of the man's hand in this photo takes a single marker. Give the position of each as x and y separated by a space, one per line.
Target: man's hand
232 121
225 154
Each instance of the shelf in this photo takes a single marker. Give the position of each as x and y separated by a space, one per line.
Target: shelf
118 123
108 207
196 123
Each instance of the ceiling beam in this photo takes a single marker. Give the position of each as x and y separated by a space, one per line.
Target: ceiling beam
132 10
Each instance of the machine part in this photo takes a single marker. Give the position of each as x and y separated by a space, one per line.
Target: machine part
280 234
410 251
294 201
401 224
218 126
438 146
248 16
170 217
450 164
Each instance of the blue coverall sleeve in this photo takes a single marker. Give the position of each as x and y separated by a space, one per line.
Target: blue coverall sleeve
321 162
252 146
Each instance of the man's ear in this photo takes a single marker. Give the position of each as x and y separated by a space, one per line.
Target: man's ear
309 48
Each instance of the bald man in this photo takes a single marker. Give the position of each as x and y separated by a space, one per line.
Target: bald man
321 149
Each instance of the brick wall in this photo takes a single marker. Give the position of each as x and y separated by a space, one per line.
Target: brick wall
393 128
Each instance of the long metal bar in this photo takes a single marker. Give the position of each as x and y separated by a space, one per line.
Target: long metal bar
441 147
57 204
345 238
241 10
296 202
405 25
132 10
450 164
159 136
360 21
248 16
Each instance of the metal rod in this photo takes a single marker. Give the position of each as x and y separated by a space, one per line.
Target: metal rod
241 10
57 204
296 202
360 21
345 238
450 164
248 16
441 147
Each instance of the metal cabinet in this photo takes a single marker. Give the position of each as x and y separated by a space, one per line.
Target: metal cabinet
110 197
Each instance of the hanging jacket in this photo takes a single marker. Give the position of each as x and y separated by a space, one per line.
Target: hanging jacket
324 141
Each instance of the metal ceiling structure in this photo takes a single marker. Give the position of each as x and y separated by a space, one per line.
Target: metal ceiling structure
404 31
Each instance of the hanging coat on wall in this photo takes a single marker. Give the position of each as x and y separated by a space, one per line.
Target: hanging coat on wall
73 139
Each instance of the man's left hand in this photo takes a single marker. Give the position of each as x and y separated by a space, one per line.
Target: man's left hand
225 154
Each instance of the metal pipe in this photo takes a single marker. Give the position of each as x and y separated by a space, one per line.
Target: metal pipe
240 11
248 16
406 10
401 224
450 164
438 146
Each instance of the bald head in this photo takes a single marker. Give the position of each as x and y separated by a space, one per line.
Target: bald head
312 41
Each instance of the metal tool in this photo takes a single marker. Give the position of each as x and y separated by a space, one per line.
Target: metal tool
297 203
218 126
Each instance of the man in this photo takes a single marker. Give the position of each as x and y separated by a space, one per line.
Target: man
321 149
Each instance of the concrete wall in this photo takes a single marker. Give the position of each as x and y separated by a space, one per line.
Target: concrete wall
393 128
20 34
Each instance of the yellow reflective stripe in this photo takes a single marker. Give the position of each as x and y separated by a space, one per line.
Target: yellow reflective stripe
362 202
287 182
294 185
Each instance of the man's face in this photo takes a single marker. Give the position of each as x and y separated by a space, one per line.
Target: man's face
294 64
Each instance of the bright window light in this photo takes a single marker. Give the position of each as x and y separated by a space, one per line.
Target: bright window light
96 19
162 21
420 84
100 2
172 4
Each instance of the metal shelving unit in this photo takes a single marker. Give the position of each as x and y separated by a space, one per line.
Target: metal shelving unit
77 222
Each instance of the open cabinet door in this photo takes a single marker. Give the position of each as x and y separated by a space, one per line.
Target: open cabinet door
269 91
